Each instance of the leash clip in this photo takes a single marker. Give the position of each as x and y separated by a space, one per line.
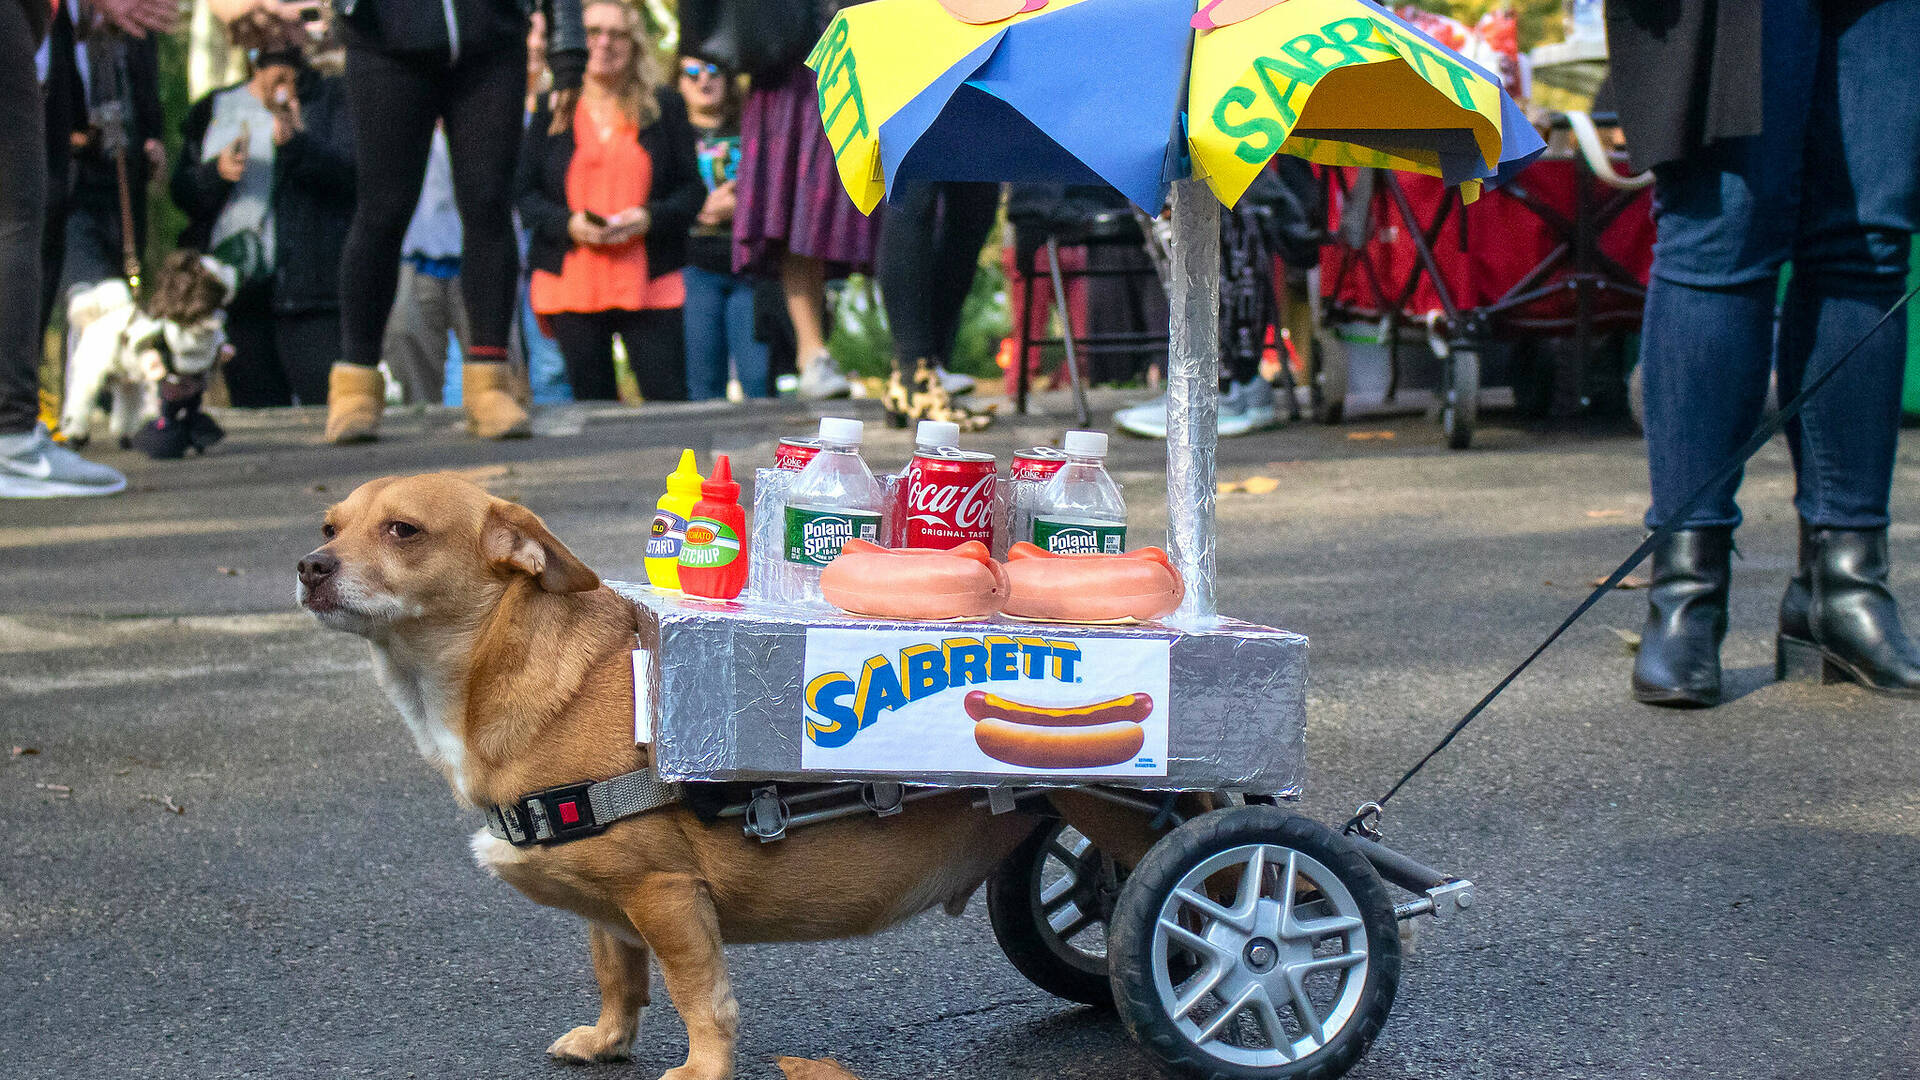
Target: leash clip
1366 821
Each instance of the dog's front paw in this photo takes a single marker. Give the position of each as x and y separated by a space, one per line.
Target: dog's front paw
587 1044
699 1071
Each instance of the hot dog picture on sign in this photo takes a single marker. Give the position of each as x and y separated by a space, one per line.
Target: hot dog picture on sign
960 701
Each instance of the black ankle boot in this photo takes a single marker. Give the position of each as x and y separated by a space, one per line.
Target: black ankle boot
1679 660
1839 622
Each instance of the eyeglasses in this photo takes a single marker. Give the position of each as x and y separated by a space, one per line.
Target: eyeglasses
694 69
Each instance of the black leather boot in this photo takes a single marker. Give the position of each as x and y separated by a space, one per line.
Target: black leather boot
1839 622
1679 660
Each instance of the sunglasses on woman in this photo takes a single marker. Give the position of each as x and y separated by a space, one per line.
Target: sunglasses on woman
694 69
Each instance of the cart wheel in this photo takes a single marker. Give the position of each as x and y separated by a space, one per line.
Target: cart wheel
1327 377
1460 397
1049 903
1254 943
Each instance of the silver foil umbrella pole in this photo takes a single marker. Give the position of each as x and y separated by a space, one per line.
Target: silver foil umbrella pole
1193 393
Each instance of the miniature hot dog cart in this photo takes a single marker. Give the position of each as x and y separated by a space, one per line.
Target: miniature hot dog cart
1249 941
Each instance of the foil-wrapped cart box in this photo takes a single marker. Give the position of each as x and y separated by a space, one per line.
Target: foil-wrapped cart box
731 690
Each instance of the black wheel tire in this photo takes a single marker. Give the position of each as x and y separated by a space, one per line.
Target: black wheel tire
1013 906
1460 398
1130 936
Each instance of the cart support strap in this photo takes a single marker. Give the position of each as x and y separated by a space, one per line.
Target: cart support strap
1193 392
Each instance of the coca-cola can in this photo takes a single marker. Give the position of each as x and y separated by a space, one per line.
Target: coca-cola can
793 454
947 498
1037 463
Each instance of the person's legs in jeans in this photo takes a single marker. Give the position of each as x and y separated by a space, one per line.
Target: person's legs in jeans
1861 202
1859 207
415 346
546 368
656 350
749 353
705 314
1724 225
586 344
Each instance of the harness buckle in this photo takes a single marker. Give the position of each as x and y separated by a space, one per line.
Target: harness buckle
556 815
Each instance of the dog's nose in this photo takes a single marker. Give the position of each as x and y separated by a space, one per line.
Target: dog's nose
318 567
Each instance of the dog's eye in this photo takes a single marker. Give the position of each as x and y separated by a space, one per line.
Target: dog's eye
327 531
401 530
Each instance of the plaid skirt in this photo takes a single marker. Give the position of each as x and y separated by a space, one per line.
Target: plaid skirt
789 196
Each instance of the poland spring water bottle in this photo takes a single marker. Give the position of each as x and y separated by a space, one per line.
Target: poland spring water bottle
833 500
1080 511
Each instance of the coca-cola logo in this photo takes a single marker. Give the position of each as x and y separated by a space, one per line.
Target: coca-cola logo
951 504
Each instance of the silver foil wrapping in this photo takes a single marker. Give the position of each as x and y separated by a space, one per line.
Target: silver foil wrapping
1193 391
722 697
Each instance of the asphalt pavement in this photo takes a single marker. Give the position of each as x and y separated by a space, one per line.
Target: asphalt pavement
222 857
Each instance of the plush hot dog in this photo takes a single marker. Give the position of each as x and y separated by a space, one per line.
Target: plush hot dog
1051 737
1128 708
1139 585
915 583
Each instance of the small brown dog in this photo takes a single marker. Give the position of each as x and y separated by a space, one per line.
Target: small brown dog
509 661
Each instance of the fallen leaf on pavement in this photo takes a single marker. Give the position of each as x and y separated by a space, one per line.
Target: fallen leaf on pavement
1631 581
1228 487
316 489
1630 638
61 790
166 803
1363 435
1606 513
229 571
23 751
810 1069
1261 485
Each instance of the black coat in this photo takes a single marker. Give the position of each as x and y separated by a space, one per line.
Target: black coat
312 195
1683 74
540 189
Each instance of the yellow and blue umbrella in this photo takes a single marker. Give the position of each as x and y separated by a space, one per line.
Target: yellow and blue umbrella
1139 93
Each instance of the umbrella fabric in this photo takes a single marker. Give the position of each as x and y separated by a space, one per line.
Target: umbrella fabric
1082 90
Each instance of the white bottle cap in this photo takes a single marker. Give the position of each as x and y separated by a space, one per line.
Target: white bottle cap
841 432
1085 444
937 433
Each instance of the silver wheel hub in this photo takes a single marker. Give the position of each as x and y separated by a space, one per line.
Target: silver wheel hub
1260 955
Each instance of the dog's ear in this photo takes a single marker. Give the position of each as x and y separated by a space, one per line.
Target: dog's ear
514 537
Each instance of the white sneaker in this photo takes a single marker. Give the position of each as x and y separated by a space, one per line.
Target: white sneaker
820 379
33 466
953 382
1245 407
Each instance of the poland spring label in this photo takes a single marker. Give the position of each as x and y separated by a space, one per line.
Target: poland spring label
814 537
1078 537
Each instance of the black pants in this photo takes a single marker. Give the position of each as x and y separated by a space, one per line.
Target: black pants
929 251
278 358
656 347
23 190
396 99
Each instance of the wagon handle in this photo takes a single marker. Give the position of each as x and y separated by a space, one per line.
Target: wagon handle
1587 137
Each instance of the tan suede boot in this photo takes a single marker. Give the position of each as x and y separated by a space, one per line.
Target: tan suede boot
486 390
355 396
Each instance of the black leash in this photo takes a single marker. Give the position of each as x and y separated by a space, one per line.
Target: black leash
1364 819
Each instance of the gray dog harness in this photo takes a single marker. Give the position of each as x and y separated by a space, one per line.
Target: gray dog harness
572 811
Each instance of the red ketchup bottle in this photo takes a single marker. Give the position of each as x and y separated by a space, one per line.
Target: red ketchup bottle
713 559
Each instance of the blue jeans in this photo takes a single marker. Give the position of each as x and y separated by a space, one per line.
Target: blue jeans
1832 183
719 314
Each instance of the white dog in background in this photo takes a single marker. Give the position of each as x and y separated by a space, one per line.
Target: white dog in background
129 350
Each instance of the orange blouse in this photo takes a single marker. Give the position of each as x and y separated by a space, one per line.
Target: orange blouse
610 172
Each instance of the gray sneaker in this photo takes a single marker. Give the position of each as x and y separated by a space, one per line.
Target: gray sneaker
1245 407
33 466
820 379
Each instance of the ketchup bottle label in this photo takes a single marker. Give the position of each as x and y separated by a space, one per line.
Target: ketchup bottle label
710 544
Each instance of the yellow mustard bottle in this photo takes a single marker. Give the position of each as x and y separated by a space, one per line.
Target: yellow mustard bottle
669 529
